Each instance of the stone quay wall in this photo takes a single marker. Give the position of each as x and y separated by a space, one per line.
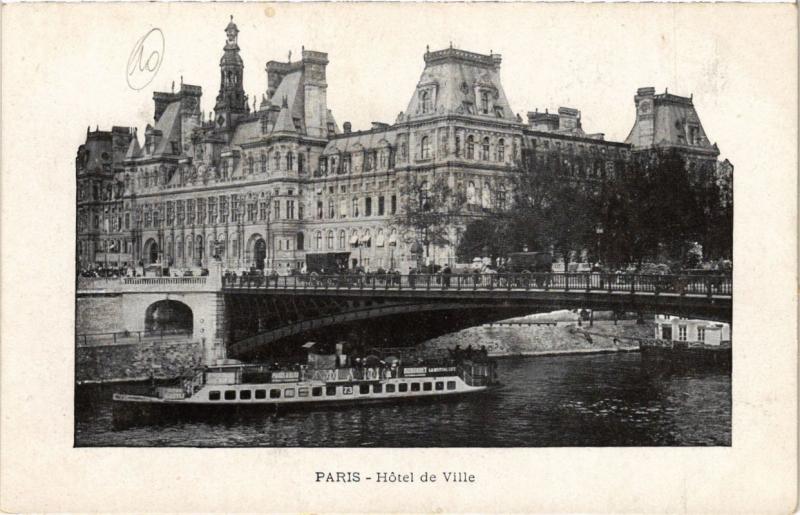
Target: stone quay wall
136 361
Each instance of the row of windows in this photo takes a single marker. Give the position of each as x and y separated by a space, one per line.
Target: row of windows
363 240
682 333
236 210
370 208
330 391
367 160
263 163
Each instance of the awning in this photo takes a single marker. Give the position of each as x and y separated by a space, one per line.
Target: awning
393 239
380 240
354 239
366 239
416 248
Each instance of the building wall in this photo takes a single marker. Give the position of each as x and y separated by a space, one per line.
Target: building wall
682 329
265 171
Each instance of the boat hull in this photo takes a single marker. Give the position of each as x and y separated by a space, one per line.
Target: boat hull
132 411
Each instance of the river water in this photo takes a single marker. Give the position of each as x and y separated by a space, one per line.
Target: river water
567 400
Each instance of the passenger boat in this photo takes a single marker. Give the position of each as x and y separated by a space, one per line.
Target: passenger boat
324 380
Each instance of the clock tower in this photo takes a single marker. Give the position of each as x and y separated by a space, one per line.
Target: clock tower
231 102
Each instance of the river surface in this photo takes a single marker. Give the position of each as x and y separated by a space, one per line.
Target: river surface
566 400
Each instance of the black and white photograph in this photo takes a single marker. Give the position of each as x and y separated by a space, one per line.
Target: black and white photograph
398 227
252 269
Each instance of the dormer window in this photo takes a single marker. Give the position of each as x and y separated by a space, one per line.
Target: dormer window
426 103
484 102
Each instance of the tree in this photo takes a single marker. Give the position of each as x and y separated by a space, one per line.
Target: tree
553 209
428 212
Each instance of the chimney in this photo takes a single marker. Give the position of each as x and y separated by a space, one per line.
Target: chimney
347 127
496 60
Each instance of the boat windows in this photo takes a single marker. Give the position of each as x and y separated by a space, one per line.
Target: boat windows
363 389
245 394
439 385
230 395
213 395
289 392
389 388
316 391
377 388
427 386
451 385
274 393
261 394
302 392
414 387
330 391
403 387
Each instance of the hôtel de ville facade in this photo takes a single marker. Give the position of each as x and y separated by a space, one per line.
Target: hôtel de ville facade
263 182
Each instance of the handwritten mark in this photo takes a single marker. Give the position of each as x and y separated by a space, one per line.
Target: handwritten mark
145 59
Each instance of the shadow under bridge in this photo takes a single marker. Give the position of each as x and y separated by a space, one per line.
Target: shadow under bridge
257 322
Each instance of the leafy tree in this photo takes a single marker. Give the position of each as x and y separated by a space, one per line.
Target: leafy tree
428 212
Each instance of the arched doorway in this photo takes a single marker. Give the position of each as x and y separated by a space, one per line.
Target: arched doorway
168 316
151 251
260 252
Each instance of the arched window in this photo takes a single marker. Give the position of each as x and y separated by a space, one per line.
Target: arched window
342 239
263 163
485 149
355 207
425 101
458 146
330 240
319 240
470 147
189 247
425 148
289 161
331 209
277 160
501 150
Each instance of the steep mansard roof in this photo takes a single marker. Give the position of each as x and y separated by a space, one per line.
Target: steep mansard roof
673 115
134 150
457 75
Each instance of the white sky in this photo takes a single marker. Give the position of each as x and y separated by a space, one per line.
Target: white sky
552 57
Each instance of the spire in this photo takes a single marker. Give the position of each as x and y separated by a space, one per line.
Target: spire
231 97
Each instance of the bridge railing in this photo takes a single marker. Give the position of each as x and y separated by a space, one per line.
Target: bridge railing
720 285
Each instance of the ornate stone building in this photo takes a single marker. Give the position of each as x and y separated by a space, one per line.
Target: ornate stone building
267 184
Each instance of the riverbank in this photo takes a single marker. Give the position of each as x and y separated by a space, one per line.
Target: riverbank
566 336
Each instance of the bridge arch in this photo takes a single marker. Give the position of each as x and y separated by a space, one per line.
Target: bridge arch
168 316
